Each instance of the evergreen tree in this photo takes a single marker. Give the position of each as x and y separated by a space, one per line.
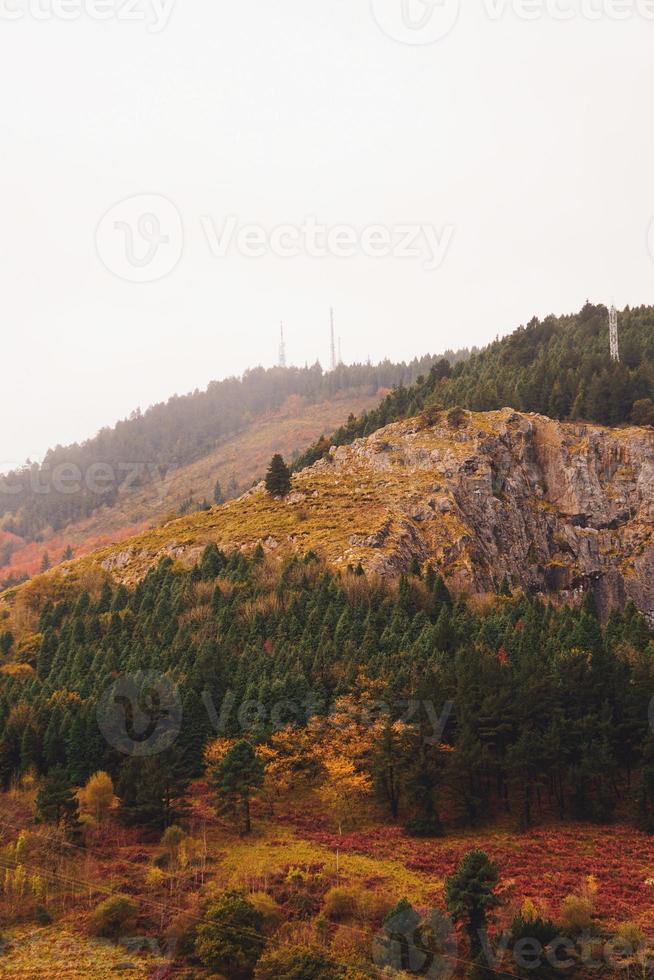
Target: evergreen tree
152 790
235 779
6 642
77 761
278 477
56 802
470 896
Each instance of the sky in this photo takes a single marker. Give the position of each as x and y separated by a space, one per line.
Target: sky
180 176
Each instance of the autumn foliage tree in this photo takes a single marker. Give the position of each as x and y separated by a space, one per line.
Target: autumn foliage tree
97 797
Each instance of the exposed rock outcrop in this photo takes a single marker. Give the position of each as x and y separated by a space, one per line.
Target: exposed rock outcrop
554 508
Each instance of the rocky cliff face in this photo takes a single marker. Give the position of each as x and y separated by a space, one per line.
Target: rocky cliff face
554 508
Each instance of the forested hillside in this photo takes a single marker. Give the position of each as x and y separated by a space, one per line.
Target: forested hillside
541 700
559 367
233 736
74 481
281 763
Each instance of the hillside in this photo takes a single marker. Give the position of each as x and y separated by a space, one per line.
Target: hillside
236 463
549 507
392 727
559 367
380 727
74 482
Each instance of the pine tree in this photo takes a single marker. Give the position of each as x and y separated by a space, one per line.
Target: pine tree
152 790
76 755
218 495
278 477
30 750
470 896
56 802
396 945
235 779
194 733
104 602
387 766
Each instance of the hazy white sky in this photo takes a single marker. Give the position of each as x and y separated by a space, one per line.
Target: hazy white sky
524 146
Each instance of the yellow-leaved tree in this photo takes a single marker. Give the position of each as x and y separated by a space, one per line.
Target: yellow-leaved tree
344 746
98 797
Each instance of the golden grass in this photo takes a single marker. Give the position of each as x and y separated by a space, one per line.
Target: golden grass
54 952
246 863
243 457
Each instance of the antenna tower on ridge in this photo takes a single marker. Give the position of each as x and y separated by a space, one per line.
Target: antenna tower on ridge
282 347
332 348
613 333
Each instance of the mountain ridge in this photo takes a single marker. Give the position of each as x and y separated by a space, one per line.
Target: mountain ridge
550 508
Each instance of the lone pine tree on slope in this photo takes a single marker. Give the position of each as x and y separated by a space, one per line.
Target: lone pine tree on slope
278 477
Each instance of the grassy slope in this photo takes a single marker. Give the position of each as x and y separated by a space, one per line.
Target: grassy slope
328 504
34 953
244 457
322 513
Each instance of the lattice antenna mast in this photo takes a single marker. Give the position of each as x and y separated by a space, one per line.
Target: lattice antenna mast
282 347
613 334
340 355
332 350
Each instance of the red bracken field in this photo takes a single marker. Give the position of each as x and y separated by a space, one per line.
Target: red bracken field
543 864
